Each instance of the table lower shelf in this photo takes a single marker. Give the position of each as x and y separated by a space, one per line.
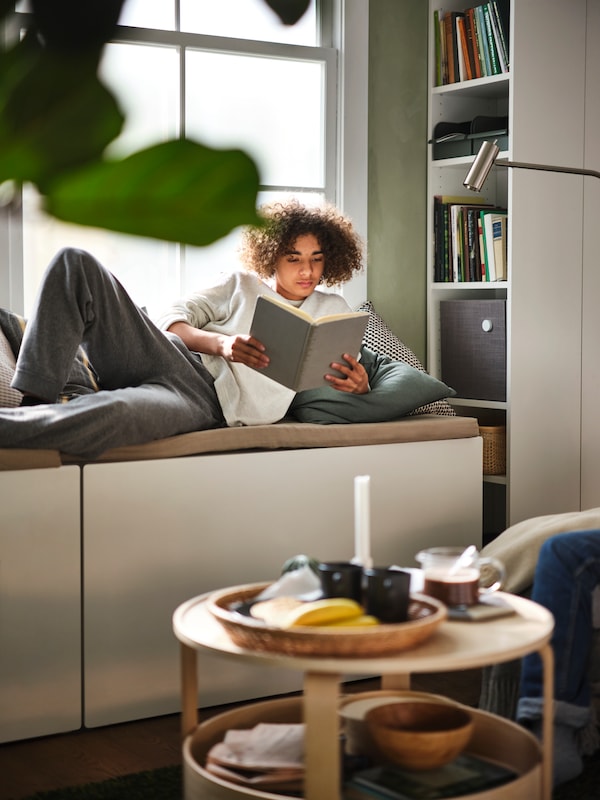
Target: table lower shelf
494 738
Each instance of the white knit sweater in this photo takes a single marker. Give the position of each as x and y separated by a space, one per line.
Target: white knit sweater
246 396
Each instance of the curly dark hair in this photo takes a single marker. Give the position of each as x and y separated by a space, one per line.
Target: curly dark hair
342 247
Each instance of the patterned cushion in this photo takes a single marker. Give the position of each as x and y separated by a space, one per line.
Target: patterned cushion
380 338
82 380
9 398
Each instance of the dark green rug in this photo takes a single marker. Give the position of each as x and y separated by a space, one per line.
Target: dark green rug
156 784
166 784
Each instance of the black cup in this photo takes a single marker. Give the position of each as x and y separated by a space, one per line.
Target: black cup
387 593
341 579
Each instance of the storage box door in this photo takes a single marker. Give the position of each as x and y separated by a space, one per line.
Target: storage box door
473 347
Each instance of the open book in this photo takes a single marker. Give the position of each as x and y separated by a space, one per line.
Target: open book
301 348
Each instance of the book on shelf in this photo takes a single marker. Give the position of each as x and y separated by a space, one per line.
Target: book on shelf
484 266
472 244
301 348
451 43
499 18
499 225
464 68
457 252
494 221
462 243
466 774
439 54
472 43
491 41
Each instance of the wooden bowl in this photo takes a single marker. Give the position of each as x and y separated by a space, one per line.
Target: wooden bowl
419 735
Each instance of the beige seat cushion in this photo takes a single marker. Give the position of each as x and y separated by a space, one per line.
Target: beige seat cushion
280 436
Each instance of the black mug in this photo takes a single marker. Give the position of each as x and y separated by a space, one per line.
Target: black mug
341 579
387 593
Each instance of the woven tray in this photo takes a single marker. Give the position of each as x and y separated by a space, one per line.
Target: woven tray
425 614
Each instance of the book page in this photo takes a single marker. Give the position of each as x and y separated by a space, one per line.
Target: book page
300 312
328 342
284 335
304 314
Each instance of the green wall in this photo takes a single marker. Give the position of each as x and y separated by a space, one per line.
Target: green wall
398 166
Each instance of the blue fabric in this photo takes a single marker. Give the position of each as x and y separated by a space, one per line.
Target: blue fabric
567 572
396 389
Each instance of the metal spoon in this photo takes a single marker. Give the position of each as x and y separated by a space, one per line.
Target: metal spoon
463 559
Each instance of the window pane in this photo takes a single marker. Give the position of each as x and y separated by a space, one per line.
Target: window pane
147 268
273 108
145 80
246 19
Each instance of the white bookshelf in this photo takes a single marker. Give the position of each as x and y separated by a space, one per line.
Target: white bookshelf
553 288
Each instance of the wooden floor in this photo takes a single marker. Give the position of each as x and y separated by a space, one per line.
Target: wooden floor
72 759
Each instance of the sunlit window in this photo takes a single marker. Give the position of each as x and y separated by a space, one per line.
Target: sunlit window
271 107
239 19
226 73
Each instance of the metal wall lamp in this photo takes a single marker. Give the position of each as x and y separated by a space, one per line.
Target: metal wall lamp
486 158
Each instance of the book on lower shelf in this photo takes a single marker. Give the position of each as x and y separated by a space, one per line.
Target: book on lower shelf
494 236
300 348
459 253
467 774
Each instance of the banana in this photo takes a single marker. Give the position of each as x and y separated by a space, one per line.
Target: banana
355 622
331 610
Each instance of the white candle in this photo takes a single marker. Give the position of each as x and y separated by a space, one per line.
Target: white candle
362 515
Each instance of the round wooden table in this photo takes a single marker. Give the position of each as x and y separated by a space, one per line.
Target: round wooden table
453 646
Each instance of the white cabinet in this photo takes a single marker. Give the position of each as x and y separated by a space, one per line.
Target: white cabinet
553 286
157 532
40 603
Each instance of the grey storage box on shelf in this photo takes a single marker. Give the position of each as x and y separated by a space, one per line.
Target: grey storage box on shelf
473 348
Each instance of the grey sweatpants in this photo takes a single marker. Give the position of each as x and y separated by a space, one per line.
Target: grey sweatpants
152 386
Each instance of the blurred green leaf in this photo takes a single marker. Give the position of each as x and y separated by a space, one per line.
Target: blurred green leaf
289 11
75 26
177 191
55 114
57 119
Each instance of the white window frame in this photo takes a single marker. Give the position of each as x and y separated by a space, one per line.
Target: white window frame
346 147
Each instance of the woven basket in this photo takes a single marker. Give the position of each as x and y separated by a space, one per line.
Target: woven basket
425 615
494 449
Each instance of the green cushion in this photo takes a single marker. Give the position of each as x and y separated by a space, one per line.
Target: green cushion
396 389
